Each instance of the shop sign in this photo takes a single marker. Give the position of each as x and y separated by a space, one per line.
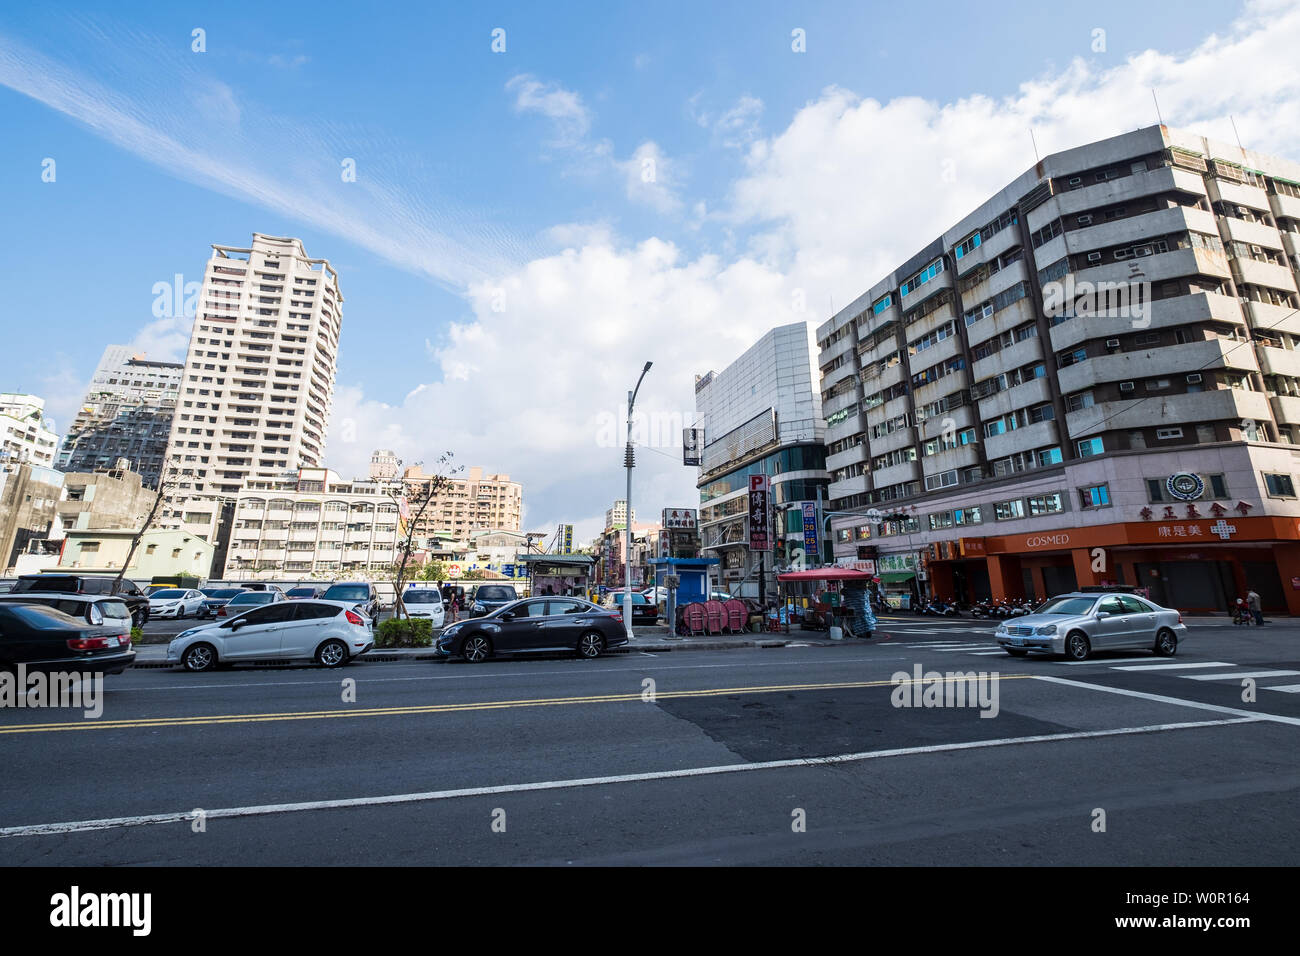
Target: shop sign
679 518
759 531
1059 540
1185 486
972 547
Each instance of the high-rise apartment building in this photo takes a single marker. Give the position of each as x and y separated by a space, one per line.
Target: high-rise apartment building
127 413
259 376
762 414
469 502
1091 378
383 465
26 435
616 517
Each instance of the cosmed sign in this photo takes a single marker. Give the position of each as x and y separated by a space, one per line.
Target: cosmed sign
759 532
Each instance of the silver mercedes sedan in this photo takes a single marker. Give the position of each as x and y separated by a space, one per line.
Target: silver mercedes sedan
1078 623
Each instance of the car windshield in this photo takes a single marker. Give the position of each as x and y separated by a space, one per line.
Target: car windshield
253 597
348 592
170 594
46 583
114 609
222 592
495 594
422 597
1067 606
301 592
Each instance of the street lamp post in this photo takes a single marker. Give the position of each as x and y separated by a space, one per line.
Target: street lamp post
629 462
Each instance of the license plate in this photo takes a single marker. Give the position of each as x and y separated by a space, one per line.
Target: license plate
1017 640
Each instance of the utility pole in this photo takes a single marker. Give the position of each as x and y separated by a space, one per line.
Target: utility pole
629 462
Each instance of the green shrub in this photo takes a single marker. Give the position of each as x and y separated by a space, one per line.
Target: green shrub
395 632
137 634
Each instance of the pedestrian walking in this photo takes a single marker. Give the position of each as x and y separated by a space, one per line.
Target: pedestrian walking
1253 601
455 605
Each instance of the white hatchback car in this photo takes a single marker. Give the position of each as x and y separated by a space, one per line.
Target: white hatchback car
176 602
328 632
425 603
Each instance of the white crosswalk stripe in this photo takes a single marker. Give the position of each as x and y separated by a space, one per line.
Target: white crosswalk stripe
1169 666
1286 689
1239 675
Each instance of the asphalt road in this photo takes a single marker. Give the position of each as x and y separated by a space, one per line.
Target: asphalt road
758 756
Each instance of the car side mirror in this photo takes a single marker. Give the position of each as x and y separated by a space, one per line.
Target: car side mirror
1103 614
237 624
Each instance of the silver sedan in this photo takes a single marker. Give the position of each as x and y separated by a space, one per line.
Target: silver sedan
1076 624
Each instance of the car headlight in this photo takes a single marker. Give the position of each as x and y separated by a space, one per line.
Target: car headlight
1002 628
184 634
1045 629
479 607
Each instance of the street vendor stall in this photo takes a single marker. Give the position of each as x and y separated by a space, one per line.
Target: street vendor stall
563 574
821 598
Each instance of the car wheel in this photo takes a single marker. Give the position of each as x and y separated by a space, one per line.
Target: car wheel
476 649
332 654
200 657
1015 653
590 645
1166 643
1077 646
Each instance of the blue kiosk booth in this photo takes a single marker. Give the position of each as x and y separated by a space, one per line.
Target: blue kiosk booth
694 586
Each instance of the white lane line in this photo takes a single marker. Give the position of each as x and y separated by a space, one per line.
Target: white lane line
968 647
1162 699
1239 675
112 823
986 653
1286 689
1168 666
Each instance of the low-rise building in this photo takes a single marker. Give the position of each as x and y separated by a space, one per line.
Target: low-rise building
26 435
112 498
29 498
162 552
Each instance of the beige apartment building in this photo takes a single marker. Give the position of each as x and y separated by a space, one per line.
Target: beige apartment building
470 502
314 522
1091 378
259 376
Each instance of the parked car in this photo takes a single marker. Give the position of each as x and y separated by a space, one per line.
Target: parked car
304 593
643 611
331 633
360 594
425 603
43 638
488 597
1079 623
534 625
175 602
95 609
244 600
88 584
216 598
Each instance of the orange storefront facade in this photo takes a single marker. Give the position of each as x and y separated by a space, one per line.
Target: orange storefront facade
1195 564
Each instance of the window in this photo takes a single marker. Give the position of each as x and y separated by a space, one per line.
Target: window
969 246
967 516
89 547
1049 456
1007 510
1218 487
1089 447
1046 504
882 304
922 277
1166 433
1094 496
942 519
1078 401
1279 486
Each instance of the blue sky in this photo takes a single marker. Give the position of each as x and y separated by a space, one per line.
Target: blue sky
518 171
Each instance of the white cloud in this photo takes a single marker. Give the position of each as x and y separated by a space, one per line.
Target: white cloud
738 126
650 178
565 109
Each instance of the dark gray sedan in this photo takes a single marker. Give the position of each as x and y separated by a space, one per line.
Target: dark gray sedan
1077 624
535 625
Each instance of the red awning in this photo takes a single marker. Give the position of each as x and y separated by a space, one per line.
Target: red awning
826 574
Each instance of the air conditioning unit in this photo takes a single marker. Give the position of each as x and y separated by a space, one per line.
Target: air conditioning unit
1121 253
1194 378
1085 220
1126 386
1112 343
1094 257
1076 180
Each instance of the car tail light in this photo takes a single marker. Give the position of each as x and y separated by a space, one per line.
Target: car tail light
1180 618
221 611
354 618
91 643
617 615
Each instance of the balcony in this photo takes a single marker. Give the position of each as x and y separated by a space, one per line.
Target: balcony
859 484
1223 190
1157 410
1162 314
994 284
896 474
1276 318
933 391
1166 361
1011 357
957 418
898 438
1087 198
1284 207
1033 392
1286 408
1024 438
849 456
936 353
1004 320
890 409
1157 268
1274 361
850 396
1255 233
1255 272
963 456
837 375
1135 229
929 323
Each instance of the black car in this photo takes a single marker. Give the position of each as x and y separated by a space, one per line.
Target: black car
45 639
216 598
304 593
135 599
360 594
490 597
643 612
535 625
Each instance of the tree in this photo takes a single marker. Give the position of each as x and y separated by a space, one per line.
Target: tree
413 499
168 480
474 574
434 570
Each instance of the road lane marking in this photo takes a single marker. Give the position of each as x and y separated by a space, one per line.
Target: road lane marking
1168 666
111 823
1239 675
1286 689
1162 699
203 720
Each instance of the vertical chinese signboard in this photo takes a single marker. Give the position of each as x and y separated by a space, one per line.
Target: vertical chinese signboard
810 532
760 537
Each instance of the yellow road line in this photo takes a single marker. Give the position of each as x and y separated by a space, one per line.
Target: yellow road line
152 722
